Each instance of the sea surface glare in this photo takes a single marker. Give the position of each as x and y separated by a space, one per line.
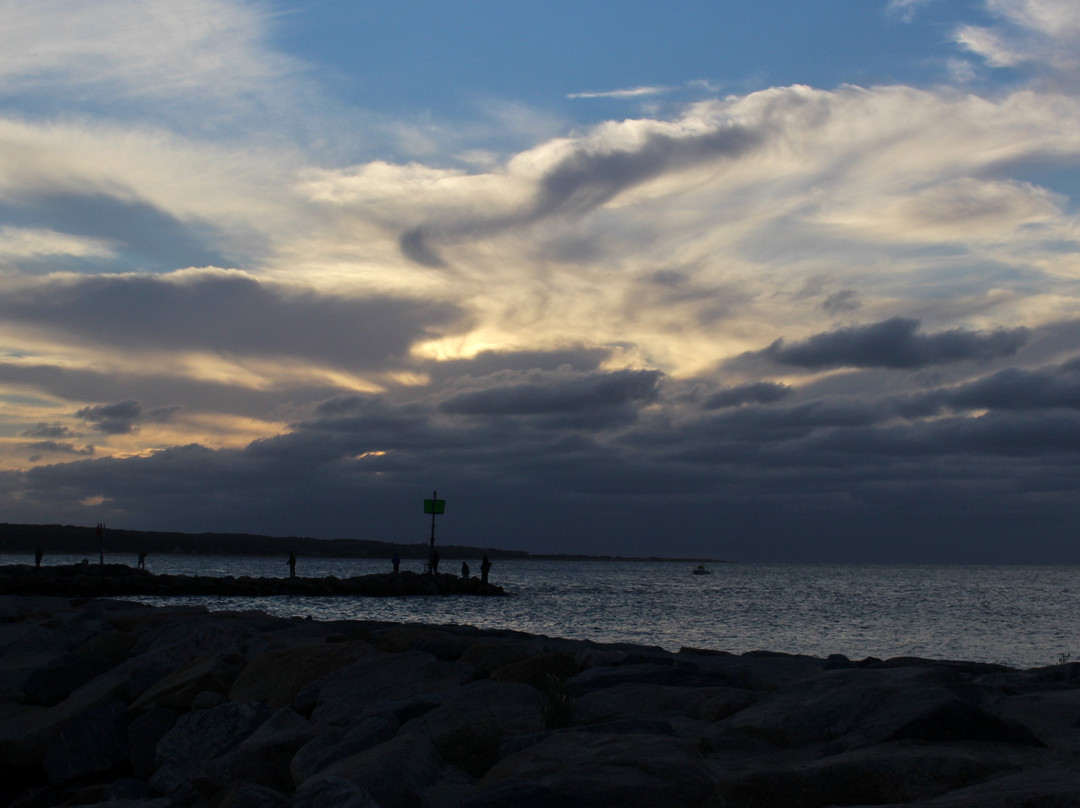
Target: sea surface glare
1024 616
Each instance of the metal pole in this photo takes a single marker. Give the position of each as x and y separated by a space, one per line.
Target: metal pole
434 499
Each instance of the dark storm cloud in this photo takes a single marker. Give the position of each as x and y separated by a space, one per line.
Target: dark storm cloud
415 248
1016 389
598 391
485 363
112 419
585 180
755 393
120 418
144 236
894 343
843 301
228 312
558 459
222 396
588 178
840 478
56 447
49 431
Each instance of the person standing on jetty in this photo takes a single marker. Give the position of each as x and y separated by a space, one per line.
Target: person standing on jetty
292 565
396 561
465 570
37 557
142 560
485 568
433 562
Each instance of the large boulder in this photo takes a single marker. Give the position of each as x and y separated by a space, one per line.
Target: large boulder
262 758
469 725
197 739
345 695
878 775
597 769
332 745
277 676
489 653
94 741
213 672
637 700
394 773
332 792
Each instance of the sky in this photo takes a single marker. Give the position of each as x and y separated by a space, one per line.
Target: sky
760 281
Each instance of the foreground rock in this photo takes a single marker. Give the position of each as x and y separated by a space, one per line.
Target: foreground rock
119 580
117 704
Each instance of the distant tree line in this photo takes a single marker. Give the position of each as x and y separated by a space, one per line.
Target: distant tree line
76 539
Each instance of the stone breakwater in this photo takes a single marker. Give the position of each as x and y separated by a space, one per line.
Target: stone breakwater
119 580
109 703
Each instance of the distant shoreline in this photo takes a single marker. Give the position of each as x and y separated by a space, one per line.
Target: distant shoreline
83 540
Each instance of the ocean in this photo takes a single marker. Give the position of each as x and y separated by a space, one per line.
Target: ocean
1023 616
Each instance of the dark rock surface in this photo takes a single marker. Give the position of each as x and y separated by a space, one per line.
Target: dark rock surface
104 702
119 580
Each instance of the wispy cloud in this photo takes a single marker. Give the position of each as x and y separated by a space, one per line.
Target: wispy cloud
139 48
632 92
1038 32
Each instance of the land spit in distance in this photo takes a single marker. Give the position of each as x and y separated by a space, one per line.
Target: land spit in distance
88 580
77 539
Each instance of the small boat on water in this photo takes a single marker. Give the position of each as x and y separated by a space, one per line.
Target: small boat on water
701 569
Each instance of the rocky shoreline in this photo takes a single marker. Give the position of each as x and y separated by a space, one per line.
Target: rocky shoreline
119 580
119 704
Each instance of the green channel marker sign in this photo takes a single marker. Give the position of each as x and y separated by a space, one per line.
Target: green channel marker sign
434 506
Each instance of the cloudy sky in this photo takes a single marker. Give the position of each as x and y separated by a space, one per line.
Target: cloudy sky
765 280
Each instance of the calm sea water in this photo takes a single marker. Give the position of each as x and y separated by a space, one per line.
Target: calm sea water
1021 616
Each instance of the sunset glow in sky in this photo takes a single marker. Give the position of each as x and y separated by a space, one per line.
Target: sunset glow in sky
764 281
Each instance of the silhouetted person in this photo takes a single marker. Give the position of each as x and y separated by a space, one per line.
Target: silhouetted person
465 569
397 562
485 568
292 565
142 560
434 563
37 557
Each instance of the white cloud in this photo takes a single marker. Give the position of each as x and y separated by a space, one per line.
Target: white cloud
905 9
632 92
23 242
1038 32
158 48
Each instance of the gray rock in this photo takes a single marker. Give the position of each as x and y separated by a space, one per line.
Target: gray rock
394 773
488 654
348 693
92 742
862 707
205 734
262 758
332 792
214 673
1041 788
251 795
637 700
189 748
599 769
277 676
469 725
55 682
207 700
337 744
958 720
26 732
144 733
875 776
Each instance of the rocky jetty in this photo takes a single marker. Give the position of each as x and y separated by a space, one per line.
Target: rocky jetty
119 580
110 703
